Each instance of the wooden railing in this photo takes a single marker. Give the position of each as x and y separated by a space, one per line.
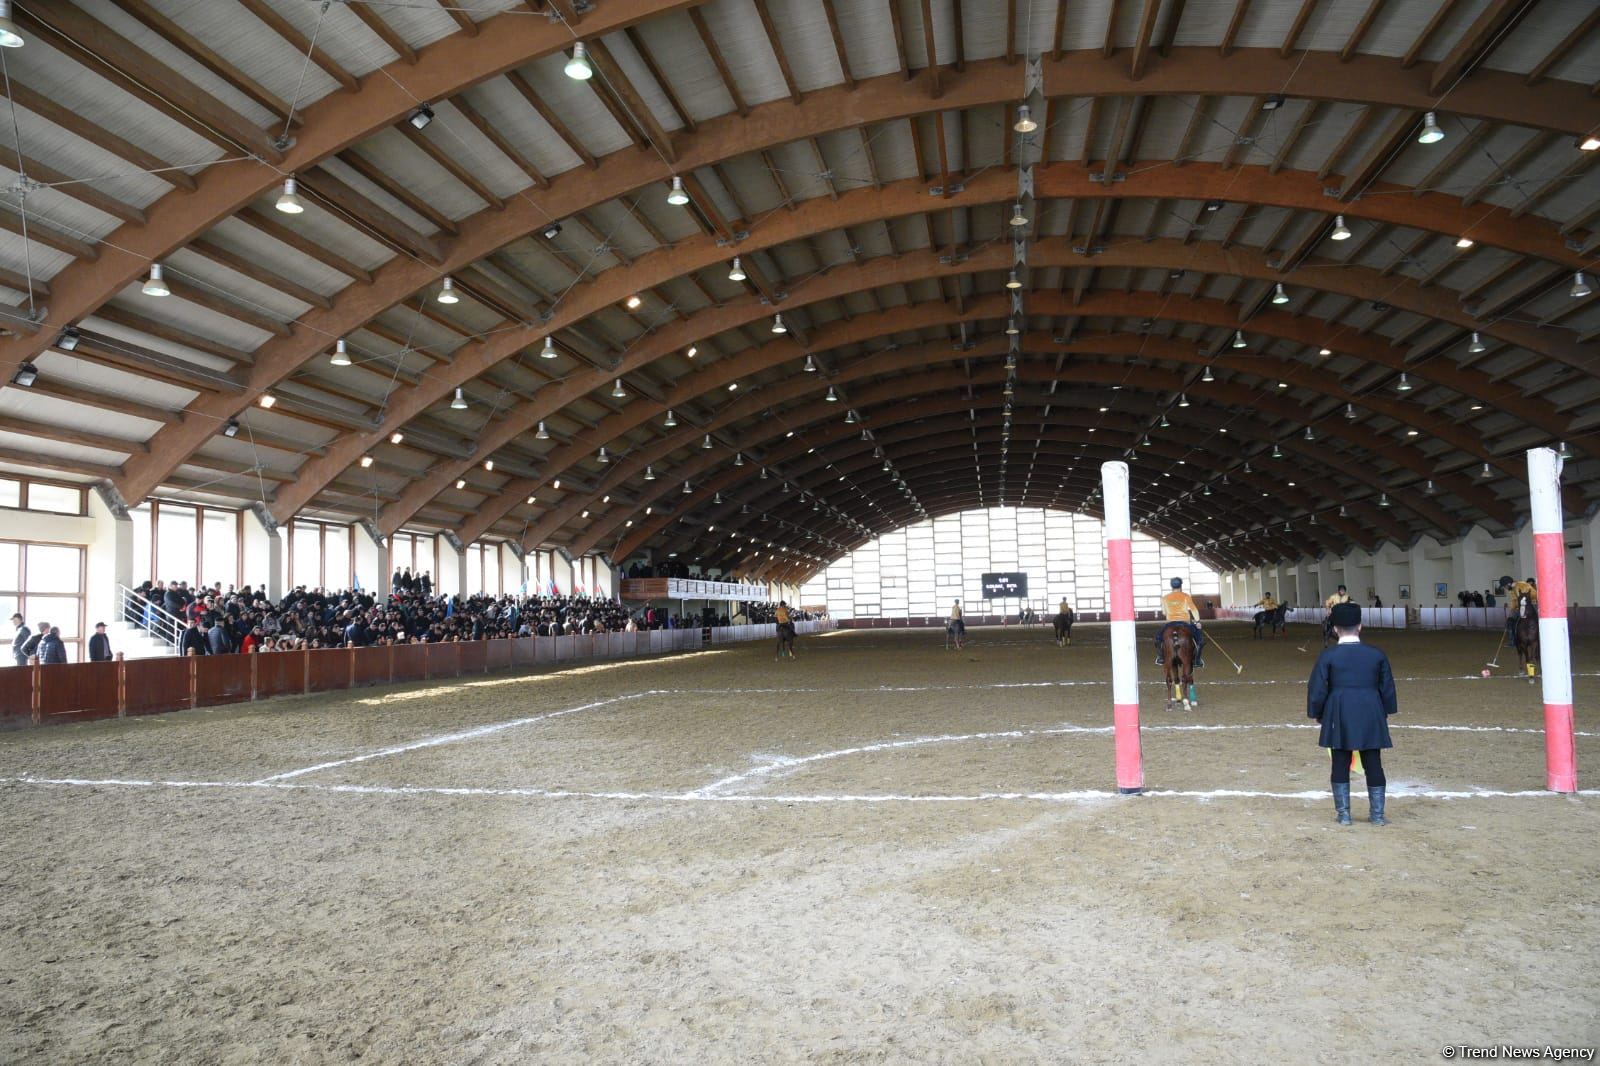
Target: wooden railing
78 692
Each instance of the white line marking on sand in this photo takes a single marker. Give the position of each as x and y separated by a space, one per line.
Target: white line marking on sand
450 738
1203 685
1077 796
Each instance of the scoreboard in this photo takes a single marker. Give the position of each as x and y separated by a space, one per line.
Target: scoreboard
1005 586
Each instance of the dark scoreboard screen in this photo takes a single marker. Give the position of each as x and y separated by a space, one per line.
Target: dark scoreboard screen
1005 586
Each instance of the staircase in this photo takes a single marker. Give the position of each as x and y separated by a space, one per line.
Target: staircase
160 635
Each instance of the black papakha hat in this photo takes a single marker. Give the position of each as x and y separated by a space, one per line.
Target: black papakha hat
1346 615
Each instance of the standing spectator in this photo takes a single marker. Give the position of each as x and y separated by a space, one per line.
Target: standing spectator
30 647
99 645
194 640
51 648
20 641
217 640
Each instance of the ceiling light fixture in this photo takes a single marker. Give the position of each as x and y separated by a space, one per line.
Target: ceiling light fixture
267 400
1486 473
1404 384
1024 123
461 483
686 488
671 421
156 284
705 442
26 374
832 397
578 68
366 461
1431 133
601 456
1017 217
632 302
420 117
551 231
649 472
777 324
396 437
341 354
1476 345
1341 232
459 403
289 201
541 433
231 429
618 391
1279 296
1464 243
1012 281
690 352
736 272
1580 285
488 464
447 291
1238 339
1208 376
9 37
811 364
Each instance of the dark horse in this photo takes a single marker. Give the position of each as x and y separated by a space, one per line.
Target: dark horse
1273 619
1177 652
785 641
1527 637
1064 622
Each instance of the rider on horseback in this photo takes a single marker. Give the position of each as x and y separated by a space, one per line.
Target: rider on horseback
1514 591
1181 610
1330 603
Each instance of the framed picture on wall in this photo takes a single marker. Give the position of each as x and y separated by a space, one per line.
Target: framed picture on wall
1440 590
1405 592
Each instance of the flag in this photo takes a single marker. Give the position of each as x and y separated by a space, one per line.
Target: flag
524 586
1355 762
553 589
449 607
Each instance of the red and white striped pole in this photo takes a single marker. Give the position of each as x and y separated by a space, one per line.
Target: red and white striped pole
1555 653
1124 651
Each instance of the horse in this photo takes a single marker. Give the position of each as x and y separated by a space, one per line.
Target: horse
1177 652
785 641
1328 635
1527 636
955 631
1063 623
1275 619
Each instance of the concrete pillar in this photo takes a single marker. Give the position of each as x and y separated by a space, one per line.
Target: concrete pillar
264 546
1479 559
1391 568
1583 580
373 567
1358 576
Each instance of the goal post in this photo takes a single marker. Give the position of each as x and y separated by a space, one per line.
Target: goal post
1124 650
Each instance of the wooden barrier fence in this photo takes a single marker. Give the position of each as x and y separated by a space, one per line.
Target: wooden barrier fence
78 692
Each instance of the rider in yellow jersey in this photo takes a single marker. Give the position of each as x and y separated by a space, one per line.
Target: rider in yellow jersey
1267 602
1180 607
1066 607
782 613
1513 592
1337 598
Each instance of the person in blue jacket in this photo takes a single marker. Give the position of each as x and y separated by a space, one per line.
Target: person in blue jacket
1352 694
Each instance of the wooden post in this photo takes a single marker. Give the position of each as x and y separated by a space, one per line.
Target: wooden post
36 688
122 685
351 683
255 671
194 679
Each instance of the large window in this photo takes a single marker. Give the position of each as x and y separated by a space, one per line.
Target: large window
184 542
31 494
45 583
921 569
483 570
415 552
319 555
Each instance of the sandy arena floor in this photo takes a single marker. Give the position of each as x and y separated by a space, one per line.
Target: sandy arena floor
882 852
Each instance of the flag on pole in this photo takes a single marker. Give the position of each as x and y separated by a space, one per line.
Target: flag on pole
553 590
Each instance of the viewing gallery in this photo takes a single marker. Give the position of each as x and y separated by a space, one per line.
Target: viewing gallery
636 531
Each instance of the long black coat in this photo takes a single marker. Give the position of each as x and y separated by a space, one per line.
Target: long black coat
1352 694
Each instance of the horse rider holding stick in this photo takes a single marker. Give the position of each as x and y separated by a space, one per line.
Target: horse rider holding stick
1180 607
1329 604
955 626
1513 592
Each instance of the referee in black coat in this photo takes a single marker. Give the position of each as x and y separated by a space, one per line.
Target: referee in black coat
1352 694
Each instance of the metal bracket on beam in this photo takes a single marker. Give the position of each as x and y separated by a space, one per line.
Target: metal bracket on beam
264 516
954 259
1099 178
1033 76
112 499
1025 182
371 529
454 541
1088 250
1019 252
953 188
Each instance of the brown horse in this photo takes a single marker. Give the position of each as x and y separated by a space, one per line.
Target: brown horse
1527 637
1177 652
1064 622
785 641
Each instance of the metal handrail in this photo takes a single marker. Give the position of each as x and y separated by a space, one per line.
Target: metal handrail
150 616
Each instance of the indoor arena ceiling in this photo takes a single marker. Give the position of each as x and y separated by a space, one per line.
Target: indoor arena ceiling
1323 268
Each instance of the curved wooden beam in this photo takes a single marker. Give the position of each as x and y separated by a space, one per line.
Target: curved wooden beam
882 99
